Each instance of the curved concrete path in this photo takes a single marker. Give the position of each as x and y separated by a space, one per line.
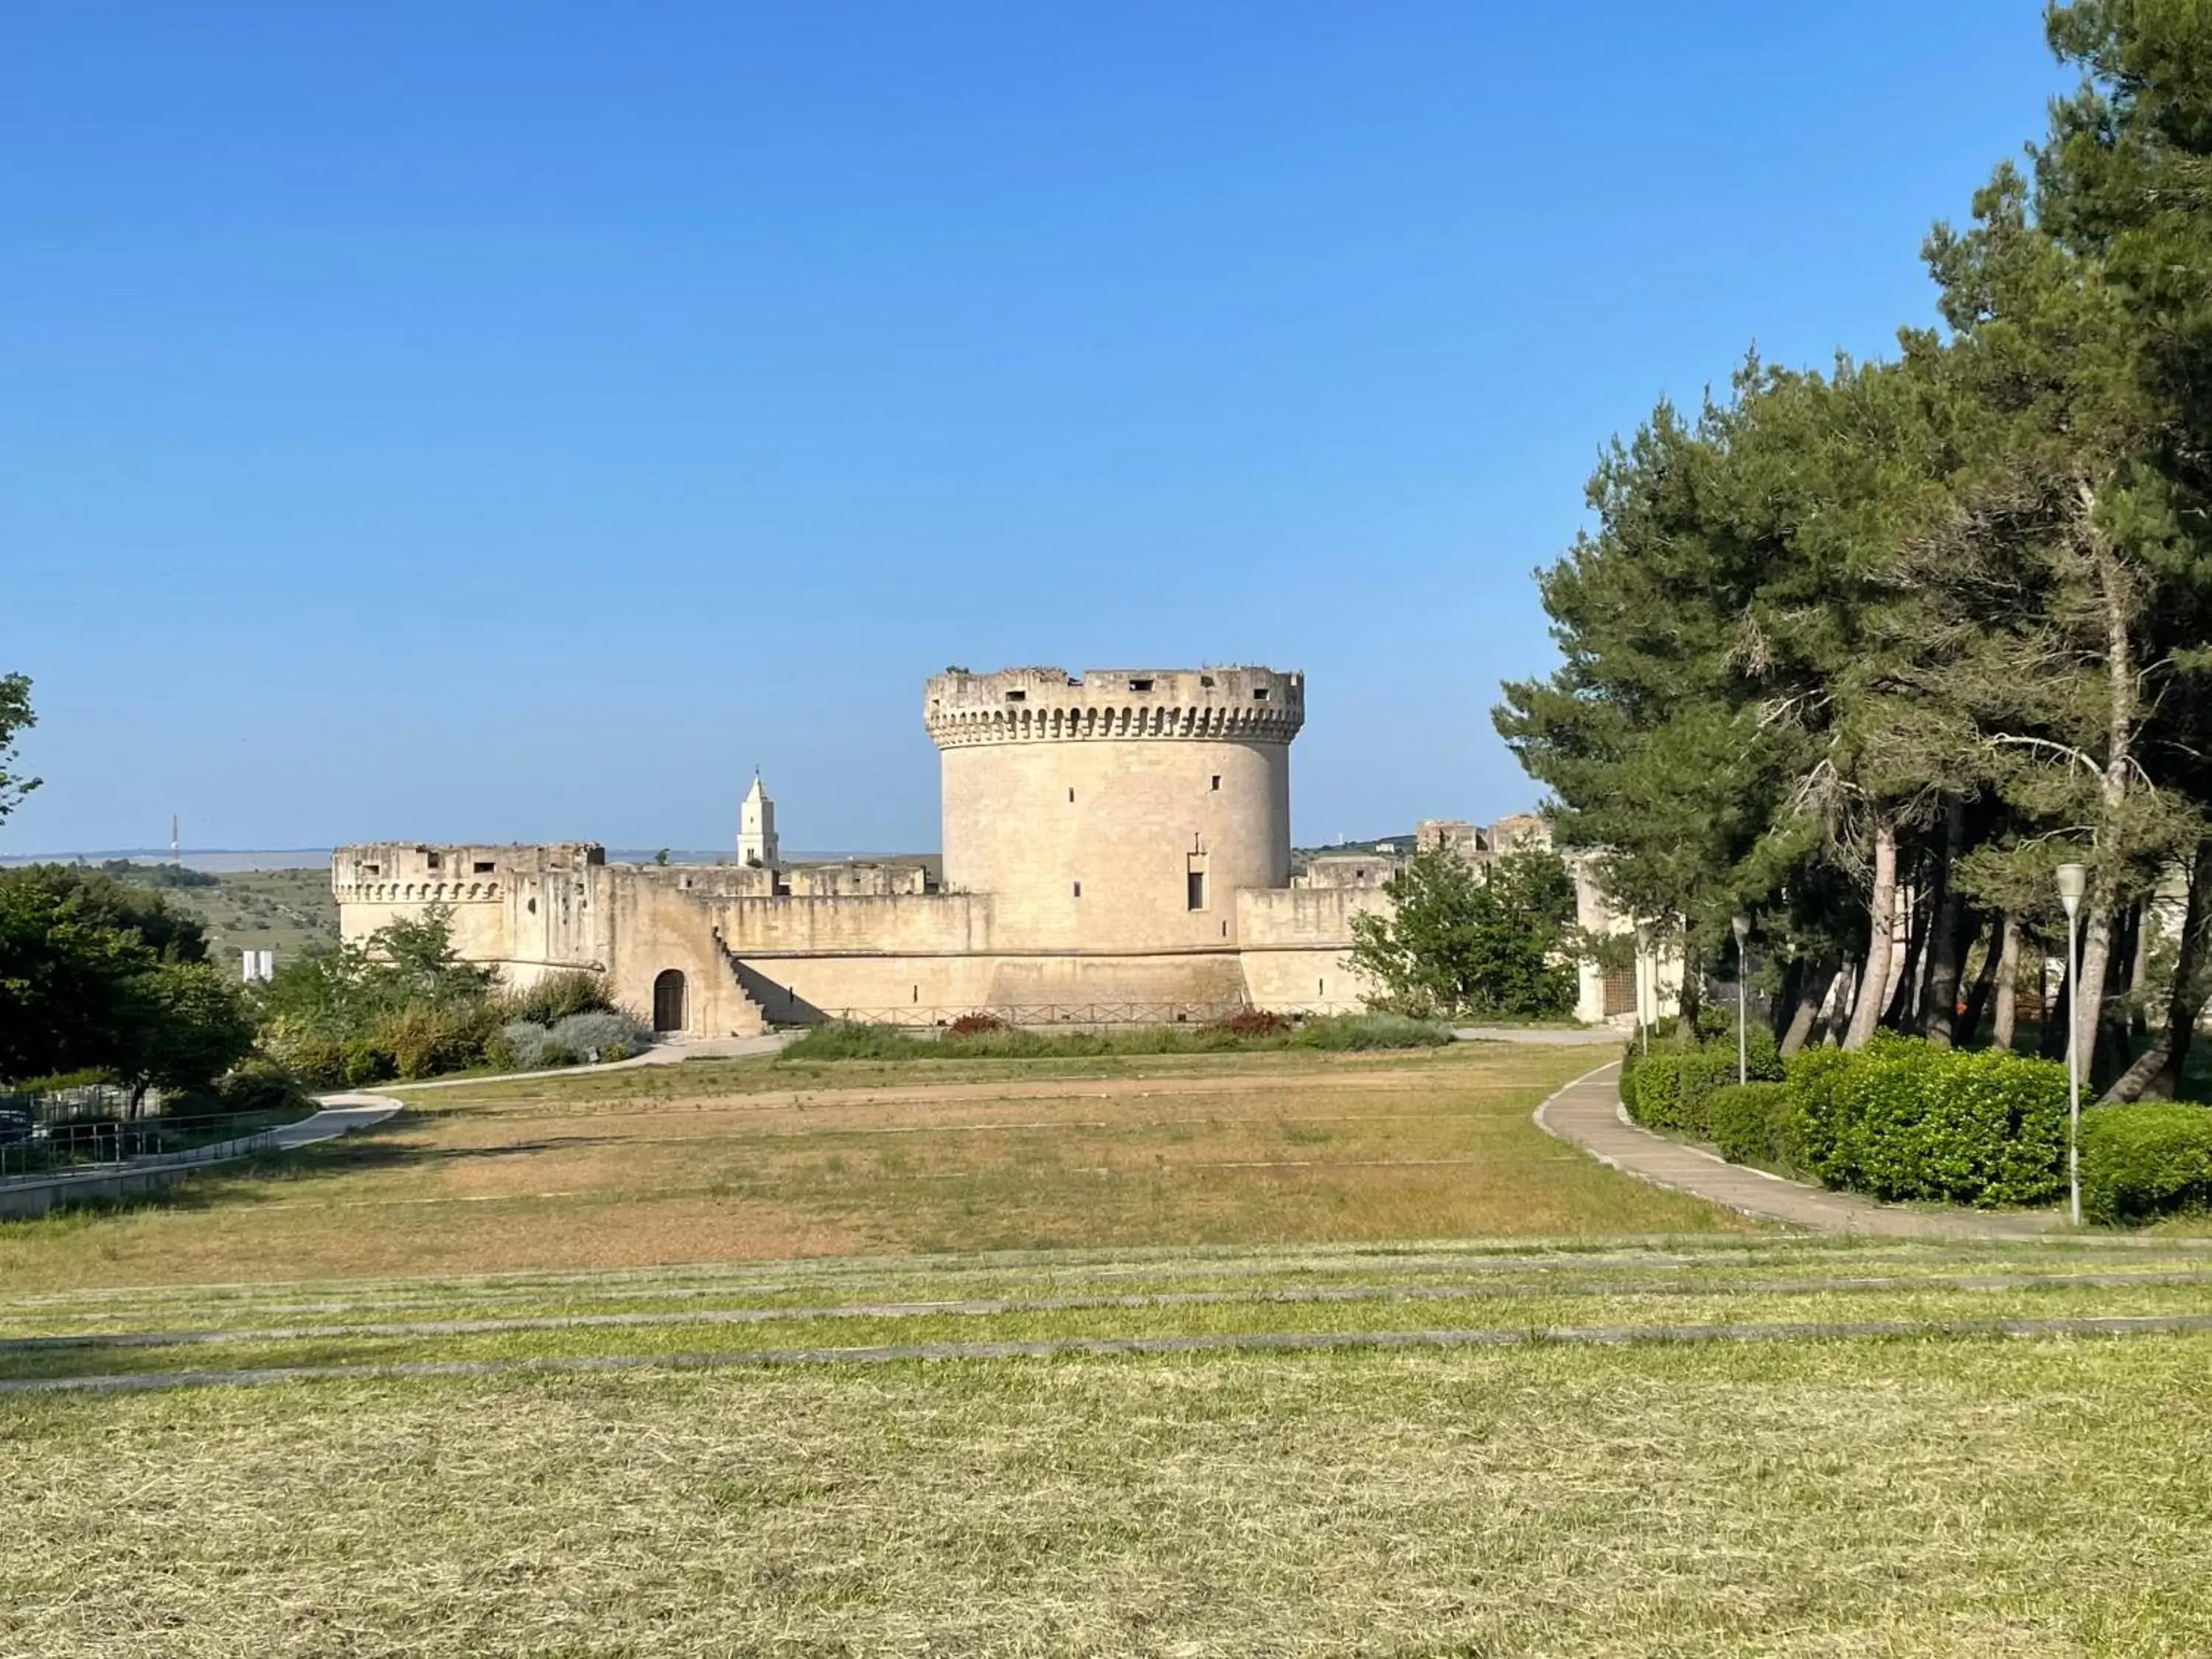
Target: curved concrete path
1587 1114
340 1115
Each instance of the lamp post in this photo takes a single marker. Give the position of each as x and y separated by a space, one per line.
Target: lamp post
1740 925
1645 975
2073 882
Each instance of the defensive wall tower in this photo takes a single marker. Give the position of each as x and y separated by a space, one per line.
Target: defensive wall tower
1119 812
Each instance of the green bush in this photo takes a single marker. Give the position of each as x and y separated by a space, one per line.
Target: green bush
1674 1086
2143 1161
1335 1033
1347 1032
261 1085
1754 1122
1905 1119
555 997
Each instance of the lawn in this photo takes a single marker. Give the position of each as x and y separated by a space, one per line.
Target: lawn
754 1159
1925 1493
1188 1355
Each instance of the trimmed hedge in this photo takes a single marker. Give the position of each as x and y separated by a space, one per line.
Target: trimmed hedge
2143 1161
1905 1119
1755 1123
1672 1087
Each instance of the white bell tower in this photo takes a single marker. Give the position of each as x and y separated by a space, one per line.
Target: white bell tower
756 828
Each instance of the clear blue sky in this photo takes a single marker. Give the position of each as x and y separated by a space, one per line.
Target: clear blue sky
514 422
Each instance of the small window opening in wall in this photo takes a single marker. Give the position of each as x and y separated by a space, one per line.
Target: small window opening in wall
1321 987
1216 780
483 868
1017 697
1079 889
1206 680
1260 694
1071 797
1194 889
1141 685
1224 930
371 869
533 907
433 860
917 993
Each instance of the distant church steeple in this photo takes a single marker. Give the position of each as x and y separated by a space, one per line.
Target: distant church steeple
757 828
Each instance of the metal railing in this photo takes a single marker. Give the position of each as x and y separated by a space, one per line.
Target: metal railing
39 1149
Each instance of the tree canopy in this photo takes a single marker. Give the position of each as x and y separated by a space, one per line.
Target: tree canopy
1867 650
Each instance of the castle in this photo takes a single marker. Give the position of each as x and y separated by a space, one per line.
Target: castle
1116 846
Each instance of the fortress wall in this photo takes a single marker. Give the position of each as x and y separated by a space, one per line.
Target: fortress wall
655 926
897 924
1295 941
893 988
526 910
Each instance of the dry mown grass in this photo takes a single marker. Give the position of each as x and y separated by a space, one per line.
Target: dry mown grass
1974 1497
754 1161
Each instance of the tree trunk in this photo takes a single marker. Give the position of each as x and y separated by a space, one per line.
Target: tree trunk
2121 707
1882 919
1969 1026
2004 1001
2085 1012
1905 979
1941 1011
1815 980
2156 1073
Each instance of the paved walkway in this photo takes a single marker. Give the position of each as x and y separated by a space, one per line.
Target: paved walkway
664 1053
34 1195
1587 1113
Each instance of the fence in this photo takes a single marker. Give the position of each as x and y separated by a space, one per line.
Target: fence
32 1148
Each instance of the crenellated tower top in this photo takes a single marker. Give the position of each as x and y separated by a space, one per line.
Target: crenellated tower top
1240 704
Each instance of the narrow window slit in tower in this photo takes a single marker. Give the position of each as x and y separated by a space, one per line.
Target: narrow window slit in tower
1079 889
1216 780
1071 797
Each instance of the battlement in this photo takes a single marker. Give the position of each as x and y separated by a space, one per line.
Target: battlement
1240 704
396 871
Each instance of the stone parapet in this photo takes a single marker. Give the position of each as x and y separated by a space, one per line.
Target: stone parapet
1243 704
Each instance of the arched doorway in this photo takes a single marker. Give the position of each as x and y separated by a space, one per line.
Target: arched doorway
668 1000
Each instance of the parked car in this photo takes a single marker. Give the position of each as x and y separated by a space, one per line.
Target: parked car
15 1127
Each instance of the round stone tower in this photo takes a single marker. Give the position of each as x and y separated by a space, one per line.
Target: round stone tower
1118 812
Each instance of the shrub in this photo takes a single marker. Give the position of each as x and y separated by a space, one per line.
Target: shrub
424 1039
849 1039
1903 1119
555 997
2143 1160
594 1034
972 1024
1753 1122
1347 1033
1250 1023
523 1045
260 1086
362 1062
1674 1086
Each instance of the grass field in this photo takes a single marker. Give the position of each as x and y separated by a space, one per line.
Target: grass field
748 1160
1194 1355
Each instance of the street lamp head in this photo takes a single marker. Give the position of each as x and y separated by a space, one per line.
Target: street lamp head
2073 882
1740 925
1644 936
